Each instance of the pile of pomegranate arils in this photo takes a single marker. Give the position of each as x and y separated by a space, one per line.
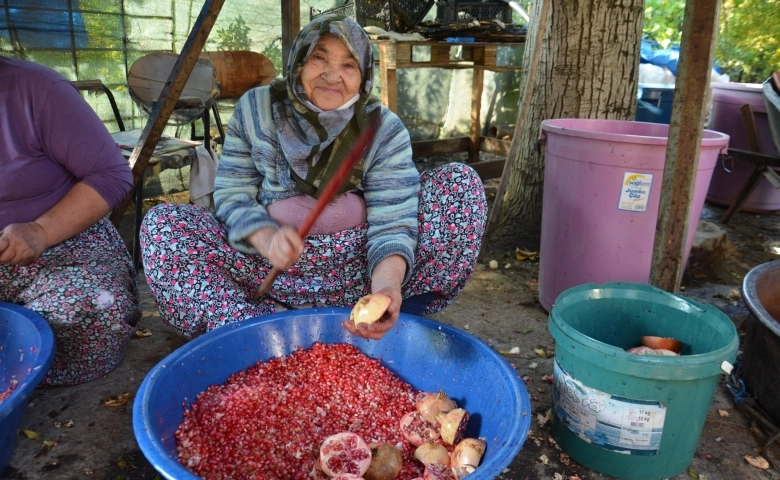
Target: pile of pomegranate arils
326 412
7 392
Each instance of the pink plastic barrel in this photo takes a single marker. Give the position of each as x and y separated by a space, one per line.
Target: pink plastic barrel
728 177
602 186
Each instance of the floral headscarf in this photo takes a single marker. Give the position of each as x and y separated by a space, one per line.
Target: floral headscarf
314 141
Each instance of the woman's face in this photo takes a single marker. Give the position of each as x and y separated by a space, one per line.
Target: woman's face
331 75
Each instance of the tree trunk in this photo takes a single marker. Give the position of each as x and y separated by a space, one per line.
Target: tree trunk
588 68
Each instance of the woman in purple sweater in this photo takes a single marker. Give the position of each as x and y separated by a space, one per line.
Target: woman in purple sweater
60 174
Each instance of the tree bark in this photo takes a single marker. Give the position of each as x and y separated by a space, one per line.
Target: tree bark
588 68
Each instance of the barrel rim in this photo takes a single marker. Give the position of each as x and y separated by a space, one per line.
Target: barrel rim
750 294
558 126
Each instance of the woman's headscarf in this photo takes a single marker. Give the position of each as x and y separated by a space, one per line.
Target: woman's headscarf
315 142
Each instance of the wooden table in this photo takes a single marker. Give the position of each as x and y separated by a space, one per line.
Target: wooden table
394 55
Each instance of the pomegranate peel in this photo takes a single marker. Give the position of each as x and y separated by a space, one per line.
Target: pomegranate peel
452 425
438 472
429 453
416 430
344 452
431 404
466 456
369 308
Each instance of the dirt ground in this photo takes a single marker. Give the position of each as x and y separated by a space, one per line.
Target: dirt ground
498 306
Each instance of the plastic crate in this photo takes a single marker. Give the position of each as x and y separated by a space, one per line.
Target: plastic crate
395 15
454 12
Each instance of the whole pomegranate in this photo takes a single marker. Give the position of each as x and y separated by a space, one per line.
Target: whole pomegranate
386 462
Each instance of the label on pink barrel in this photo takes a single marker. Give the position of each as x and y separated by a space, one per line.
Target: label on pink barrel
635 191
622 425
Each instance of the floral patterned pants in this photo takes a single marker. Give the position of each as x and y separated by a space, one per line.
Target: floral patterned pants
87 290
200 282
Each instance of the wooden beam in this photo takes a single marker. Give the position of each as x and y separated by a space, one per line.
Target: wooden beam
387 76
427 148
684 142
164 105
489 170
291 25
475 135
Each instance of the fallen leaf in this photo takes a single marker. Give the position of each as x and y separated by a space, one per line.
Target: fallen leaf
526 330
142 332
32 435
540 352
723 413
758 462
117 400
692 474
47 445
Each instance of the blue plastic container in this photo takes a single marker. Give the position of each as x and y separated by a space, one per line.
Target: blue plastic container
655 103
26 355
428 355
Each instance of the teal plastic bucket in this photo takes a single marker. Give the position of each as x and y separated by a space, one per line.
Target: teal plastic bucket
629 416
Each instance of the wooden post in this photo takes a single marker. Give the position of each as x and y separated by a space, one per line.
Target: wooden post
164 105
682 151
387 75
291 25
476 104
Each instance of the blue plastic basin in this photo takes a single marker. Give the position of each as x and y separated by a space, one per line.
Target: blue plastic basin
26 355
428 355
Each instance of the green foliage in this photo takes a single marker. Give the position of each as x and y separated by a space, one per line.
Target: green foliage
748 44
273 52
235 36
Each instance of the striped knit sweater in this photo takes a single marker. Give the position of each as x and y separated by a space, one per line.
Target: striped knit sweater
253 173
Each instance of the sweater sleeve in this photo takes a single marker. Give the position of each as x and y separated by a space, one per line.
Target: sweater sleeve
249 145
73 135
391 185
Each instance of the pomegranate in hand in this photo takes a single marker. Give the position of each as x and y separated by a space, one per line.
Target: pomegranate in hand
370 308
344 453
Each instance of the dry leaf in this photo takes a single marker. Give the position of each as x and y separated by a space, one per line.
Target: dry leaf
540 352
758 462
142 332
523 254
47 445
32 435
723 413
117 400
692 474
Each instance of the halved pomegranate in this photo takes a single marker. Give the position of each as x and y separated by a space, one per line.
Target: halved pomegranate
344 453
370 308
417 430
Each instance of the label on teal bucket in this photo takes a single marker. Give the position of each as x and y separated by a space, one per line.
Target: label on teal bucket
623 425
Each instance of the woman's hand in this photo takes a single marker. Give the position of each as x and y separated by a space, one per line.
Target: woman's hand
22 243
281 247
377 330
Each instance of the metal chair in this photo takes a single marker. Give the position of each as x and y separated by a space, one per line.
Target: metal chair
97 86
765 165
147 77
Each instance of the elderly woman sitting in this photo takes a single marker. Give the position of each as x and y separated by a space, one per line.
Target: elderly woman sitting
412 237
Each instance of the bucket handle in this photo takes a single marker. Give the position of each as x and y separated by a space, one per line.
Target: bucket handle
541 142
723 157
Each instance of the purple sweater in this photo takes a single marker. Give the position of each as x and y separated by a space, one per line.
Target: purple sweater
51 139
